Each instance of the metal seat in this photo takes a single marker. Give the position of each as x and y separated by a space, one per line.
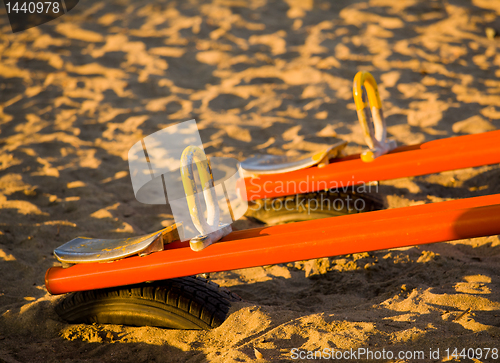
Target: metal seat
277 164
87 250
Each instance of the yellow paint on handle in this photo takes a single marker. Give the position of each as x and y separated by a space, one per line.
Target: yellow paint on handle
318 156
366 79
367 156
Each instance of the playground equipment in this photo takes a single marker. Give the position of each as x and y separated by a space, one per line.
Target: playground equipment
158 288
374 132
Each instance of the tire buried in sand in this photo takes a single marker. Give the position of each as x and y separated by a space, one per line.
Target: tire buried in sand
180 303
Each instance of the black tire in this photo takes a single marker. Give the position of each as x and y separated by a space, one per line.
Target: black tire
304 207
181 303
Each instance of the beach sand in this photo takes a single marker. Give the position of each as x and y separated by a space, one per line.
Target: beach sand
259 76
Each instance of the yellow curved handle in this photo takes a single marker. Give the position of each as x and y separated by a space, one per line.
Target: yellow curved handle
374 132
365 79
194 155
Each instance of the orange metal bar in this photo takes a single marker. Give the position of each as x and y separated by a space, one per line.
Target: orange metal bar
445 221
431 157
360 218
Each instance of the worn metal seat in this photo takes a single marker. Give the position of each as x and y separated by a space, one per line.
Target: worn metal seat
86 250
277 164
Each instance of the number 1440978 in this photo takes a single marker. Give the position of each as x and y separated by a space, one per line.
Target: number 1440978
477 353
33 7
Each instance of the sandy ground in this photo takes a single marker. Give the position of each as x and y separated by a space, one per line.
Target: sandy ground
259 76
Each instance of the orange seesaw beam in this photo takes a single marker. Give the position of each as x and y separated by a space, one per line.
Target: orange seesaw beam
427 158
422 224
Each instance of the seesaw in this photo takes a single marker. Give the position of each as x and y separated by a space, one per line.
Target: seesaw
149 280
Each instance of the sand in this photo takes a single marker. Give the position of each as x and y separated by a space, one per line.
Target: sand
259 76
